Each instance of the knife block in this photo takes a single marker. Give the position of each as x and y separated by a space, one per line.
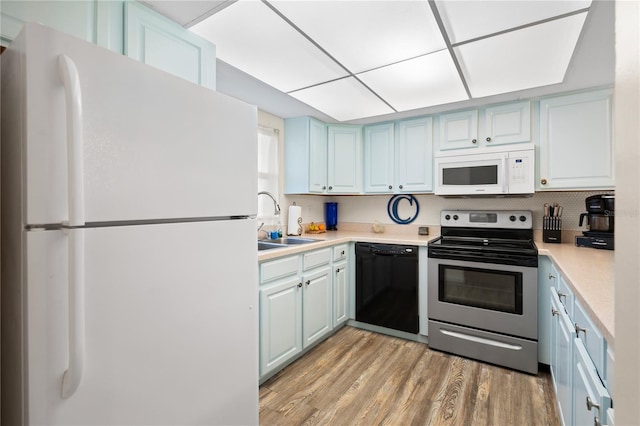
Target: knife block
551 229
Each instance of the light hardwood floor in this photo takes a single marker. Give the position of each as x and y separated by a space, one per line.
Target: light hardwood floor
357 377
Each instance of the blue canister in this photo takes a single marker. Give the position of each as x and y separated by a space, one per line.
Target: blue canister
331 216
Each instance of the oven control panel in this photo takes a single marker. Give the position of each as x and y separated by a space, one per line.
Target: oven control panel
513 219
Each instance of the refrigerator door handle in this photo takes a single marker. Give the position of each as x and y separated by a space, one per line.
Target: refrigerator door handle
75 157
73 375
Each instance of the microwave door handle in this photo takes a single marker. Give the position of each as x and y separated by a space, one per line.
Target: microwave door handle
505 174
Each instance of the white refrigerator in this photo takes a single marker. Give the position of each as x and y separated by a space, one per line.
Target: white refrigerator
129 259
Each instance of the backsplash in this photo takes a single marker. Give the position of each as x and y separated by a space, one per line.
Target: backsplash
372 208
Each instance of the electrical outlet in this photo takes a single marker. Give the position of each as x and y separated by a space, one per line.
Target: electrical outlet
423 230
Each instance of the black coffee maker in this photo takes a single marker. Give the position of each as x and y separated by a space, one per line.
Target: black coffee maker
600 218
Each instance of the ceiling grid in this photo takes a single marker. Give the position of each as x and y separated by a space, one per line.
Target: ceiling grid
357 59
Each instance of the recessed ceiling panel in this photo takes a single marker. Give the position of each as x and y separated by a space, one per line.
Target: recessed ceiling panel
251 37
344 99
363 35
531 57
425 81
466 20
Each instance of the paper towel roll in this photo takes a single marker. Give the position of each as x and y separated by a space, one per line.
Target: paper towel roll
294 226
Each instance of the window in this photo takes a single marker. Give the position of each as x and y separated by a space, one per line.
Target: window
267 173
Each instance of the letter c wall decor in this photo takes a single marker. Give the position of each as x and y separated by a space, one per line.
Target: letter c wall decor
392 208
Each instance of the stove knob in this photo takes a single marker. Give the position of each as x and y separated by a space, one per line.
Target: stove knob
512 218
447 217
455 217
523 218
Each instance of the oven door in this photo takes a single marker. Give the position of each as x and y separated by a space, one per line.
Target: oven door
498 298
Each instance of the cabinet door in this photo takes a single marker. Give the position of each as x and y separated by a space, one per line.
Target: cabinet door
576 149
547 278
317 157
590 398
591 337
379 158
459 130
509 123
317 302
345 159
561 366
340 293
414 156
76 18
280 323
157 41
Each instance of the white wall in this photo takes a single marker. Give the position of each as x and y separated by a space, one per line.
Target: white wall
627 138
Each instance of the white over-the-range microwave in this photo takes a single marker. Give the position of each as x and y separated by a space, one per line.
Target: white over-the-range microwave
495 171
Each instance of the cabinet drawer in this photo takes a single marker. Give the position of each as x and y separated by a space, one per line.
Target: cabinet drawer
316 258
591 337
279 268
566 296
340 252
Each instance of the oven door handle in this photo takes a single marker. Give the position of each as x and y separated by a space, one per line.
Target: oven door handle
481 340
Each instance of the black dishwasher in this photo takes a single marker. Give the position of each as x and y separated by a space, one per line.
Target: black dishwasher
387 286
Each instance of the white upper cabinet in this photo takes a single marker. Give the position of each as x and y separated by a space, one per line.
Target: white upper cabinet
576 147
344 164
509 123
459 130
495 125
379 158
157 41
414 156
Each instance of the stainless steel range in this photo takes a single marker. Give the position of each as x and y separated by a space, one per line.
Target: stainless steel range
483 288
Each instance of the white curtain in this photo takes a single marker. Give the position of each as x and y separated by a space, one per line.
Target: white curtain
267 173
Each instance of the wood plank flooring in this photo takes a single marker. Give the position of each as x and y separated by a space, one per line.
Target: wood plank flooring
357 377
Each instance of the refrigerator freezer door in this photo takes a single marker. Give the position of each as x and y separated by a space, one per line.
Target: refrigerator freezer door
170 325
155 146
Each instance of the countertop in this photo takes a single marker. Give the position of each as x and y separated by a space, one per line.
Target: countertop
588 272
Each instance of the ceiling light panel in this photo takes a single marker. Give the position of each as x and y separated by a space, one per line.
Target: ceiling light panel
420 82
530 57
363 35
251 37
344 99
466 20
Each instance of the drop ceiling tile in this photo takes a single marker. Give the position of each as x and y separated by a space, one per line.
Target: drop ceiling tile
531 57
425 81
344 99
363 35
466 20
251 37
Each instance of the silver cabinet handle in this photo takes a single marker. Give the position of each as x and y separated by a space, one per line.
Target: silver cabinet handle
390 187
324 187
330 187
551 276
488 139
338 270
554 312
342 253
400 186
580 329
474 141
308 282
299 285
591 404
561 295
543 181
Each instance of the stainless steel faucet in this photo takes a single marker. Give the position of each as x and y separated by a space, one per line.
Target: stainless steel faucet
275 202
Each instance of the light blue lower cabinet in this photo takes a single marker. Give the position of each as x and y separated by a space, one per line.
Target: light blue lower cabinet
280 323
591 399
578 355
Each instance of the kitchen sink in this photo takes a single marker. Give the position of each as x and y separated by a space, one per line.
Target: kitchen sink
263 245
282 242
292 240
